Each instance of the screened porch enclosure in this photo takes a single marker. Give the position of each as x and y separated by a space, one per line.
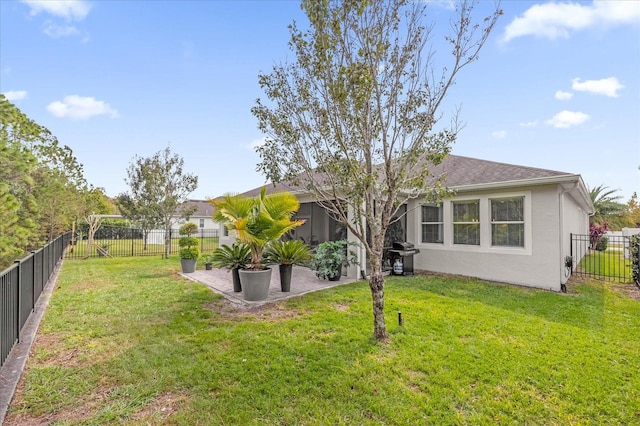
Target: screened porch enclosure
318 226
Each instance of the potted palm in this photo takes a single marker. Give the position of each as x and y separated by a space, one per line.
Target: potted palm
286 254
331 256
233 258
257 221
189 251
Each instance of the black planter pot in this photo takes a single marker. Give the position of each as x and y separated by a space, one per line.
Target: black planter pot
285 277
235 274
208 266
337 276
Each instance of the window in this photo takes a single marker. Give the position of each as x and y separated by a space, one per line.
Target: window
466 222
201 223
432 231
507 222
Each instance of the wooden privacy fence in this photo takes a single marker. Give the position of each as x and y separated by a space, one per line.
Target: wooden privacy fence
20 287
608 258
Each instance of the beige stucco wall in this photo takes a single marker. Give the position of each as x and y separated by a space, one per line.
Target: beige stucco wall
538 264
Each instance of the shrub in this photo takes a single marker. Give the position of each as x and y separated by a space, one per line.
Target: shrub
188 228
634 251
189 248
596 232
602 244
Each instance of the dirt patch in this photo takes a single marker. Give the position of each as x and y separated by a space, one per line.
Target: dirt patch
91 285
630 290
71 415
271 311
47 348
159 409
341 307
155 411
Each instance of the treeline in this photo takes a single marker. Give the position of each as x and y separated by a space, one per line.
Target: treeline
43 191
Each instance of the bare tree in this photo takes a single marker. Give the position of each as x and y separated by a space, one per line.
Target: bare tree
355 119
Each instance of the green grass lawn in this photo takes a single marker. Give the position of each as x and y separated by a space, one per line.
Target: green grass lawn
609 263
127 341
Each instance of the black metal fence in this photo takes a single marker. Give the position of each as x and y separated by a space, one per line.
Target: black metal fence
606 258
20 287
118 241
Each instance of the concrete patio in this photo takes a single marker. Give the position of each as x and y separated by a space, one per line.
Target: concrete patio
303 281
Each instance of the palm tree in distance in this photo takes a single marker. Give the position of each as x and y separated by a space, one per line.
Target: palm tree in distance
606 204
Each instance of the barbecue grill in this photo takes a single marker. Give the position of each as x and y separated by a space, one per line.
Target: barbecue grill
404 251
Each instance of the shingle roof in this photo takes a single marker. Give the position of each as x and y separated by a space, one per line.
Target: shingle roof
204 208
461 171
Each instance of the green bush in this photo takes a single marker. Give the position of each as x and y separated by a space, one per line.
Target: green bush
188 228
602 244
189 248
634 249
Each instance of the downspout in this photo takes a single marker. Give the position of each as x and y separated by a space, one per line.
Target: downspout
563 191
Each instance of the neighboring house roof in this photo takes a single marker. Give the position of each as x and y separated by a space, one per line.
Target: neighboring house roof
202 208
465 173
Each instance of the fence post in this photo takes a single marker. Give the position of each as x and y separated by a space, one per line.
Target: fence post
33 281
19 298
571 245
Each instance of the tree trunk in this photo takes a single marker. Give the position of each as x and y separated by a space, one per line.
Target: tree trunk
376 284
167 241
145 234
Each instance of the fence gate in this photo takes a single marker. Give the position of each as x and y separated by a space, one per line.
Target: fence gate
607 258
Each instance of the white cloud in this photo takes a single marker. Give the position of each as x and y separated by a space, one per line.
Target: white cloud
529 123
15 95
558 20
606 86
57 31
565 119
80 108
563 96
445 4
499 134
75 10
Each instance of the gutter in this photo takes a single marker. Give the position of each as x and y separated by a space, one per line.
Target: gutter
520 182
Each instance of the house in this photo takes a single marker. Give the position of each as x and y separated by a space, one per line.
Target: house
504 223
202 215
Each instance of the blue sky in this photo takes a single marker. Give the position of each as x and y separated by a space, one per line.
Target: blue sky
557 85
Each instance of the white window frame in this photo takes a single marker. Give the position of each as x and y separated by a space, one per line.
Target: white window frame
477 223
493 222
439 223
485 225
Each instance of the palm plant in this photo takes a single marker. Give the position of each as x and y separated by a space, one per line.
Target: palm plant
290 252
258 221
235 257
606 204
